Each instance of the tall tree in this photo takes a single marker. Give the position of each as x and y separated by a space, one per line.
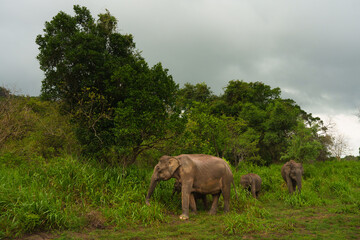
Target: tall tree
103 82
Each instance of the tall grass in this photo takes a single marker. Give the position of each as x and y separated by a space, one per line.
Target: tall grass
332 184
62 193
57 194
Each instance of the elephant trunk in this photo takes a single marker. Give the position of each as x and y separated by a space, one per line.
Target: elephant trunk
152 186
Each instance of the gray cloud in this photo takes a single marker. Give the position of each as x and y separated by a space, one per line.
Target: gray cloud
310 49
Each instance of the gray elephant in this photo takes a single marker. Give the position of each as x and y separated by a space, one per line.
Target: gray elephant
292 174
252 183
177 189
199 173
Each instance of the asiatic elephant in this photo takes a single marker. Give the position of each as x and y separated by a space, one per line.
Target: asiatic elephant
177 189
252 183
292 173
199 173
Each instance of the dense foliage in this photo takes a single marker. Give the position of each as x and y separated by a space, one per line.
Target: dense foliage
122 107
249 122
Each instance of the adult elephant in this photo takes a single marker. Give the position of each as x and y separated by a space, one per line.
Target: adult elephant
199 173
292 173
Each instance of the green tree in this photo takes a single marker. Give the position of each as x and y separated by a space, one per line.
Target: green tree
270 118
280 122
147 117
237 93
79 55
320 134
222 136
190 93
204 133
303 146
242 143
103 82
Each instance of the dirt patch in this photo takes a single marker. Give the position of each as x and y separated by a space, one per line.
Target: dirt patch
38 236
95 220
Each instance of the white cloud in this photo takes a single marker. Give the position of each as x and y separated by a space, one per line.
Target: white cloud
347 125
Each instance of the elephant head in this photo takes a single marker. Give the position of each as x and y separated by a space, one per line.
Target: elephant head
296 172
246 181
163 171
251 182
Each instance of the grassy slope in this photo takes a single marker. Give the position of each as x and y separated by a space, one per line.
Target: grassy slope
72 199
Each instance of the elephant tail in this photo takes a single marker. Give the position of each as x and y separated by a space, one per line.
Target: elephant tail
237 198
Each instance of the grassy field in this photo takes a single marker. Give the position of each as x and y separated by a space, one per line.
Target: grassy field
64 198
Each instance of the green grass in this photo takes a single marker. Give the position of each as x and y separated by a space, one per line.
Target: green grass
75 200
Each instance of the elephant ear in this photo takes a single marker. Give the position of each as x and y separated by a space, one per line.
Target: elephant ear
173 165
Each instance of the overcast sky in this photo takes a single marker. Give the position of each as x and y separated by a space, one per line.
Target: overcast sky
310 49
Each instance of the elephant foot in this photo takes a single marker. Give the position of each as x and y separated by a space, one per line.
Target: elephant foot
184 217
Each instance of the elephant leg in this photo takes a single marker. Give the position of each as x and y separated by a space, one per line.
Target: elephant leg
294 185
185 197
253 190
226 196
193 203
214 205
249 189
289 184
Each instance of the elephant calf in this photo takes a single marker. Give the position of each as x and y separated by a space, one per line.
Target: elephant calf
177 189
292 173
251 182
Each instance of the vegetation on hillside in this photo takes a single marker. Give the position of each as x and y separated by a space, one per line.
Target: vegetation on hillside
121 107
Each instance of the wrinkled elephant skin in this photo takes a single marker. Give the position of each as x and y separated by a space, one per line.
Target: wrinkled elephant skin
198 173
